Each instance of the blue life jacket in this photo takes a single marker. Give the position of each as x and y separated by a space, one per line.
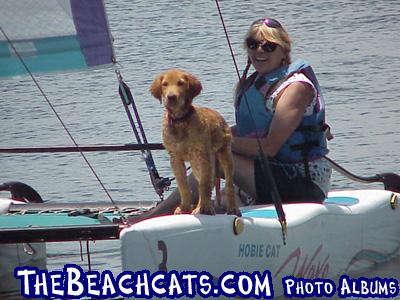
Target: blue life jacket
308 141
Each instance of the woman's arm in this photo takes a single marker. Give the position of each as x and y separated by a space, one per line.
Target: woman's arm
289 110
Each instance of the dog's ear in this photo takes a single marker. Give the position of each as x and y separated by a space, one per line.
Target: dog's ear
155 88
194 85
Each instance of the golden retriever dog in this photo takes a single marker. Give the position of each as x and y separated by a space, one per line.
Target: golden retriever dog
198 135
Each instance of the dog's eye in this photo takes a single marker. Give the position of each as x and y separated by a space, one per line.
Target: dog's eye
164 83
181 82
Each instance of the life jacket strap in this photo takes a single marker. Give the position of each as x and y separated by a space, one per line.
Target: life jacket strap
312 128
305 148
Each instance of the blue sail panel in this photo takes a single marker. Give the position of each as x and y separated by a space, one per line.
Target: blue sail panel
92 31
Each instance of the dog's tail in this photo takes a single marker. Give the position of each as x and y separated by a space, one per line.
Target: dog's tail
21 192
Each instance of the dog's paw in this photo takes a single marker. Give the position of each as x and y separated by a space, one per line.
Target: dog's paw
204 210
234 211
182 210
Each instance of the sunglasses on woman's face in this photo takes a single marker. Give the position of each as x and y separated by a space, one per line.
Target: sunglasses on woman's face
266 46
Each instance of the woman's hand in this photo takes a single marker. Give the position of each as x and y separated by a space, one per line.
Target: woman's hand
234 130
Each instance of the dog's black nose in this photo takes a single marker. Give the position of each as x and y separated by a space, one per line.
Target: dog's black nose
171 97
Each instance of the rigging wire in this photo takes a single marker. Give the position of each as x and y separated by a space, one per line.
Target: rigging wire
61 121
266 170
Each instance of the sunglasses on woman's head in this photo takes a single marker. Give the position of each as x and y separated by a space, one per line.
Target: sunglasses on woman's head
272 23
266 46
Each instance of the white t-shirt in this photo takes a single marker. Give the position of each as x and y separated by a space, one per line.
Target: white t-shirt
297 77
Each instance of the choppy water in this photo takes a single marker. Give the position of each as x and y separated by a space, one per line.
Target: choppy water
353 46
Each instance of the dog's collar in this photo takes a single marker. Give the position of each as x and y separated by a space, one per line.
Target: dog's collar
186 116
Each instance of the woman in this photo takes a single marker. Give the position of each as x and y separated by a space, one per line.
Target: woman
280 109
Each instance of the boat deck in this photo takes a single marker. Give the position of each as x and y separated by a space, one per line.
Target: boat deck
33 222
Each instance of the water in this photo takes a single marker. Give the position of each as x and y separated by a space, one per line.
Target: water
352 45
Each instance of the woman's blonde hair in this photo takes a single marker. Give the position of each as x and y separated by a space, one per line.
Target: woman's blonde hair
269 30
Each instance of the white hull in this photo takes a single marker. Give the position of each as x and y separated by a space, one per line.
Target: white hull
351 231
14 255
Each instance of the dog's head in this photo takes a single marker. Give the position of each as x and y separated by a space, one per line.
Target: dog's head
175 88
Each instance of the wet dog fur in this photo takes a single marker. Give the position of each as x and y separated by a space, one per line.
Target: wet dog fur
194 134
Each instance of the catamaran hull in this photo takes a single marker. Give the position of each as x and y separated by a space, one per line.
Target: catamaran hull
14 255
351 231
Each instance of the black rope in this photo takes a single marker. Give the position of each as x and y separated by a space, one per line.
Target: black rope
266 170
227 39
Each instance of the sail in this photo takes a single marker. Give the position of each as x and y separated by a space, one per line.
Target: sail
53 35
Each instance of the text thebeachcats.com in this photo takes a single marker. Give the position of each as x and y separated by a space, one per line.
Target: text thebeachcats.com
74 283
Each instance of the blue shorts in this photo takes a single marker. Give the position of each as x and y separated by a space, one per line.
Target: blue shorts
291 188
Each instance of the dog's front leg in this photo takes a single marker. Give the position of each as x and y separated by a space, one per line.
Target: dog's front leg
179 169
203 170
